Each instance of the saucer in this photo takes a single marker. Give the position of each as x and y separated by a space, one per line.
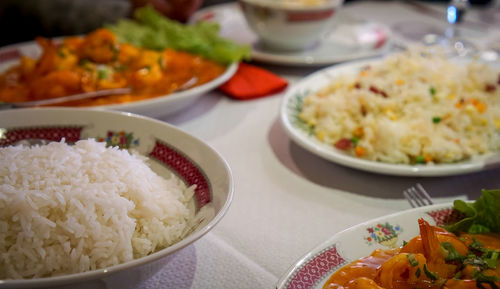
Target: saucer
349 38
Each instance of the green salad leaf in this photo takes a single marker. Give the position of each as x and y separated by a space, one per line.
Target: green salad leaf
481 216
152 30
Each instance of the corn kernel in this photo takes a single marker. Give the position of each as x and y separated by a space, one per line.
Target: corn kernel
400 82
320 135
469 108
497 123
390 114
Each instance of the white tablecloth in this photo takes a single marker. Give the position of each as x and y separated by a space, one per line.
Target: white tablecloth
287 200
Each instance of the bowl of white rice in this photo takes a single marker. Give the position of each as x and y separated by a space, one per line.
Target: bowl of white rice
416 113
91 197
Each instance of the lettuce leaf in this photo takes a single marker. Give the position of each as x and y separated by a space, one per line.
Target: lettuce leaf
152 30
481 216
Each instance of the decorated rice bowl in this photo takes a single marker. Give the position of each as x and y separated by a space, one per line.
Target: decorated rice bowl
97 195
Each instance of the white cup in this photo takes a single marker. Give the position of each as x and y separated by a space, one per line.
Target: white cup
289 24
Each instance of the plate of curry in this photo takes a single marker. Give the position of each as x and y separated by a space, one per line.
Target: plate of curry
162 82
406 250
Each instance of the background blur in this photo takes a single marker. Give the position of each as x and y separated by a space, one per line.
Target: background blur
23 20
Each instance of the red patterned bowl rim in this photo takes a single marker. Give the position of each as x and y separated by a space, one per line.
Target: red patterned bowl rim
9 54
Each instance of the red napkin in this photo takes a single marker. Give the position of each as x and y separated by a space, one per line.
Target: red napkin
251 82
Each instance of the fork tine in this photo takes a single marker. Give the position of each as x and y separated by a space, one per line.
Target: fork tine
417 197
410 198
407 197
417 200
425 194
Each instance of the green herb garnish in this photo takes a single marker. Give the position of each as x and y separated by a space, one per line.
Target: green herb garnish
103 73
412 260
458 275
429 274
450 252
480 277
61 53
418 273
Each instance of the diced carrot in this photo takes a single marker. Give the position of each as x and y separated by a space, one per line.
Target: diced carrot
359 151
480 106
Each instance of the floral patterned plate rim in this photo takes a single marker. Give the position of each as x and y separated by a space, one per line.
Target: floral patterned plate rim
300 132
313 269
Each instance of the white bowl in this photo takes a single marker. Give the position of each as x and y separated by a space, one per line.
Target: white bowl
289 24
154 107
173 151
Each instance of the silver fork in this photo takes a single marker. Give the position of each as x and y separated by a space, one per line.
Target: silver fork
417 196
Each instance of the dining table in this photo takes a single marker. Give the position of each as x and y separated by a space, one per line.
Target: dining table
288 200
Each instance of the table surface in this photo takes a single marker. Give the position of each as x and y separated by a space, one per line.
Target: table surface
286 199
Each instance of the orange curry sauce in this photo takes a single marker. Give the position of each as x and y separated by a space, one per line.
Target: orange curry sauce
421 263
98 61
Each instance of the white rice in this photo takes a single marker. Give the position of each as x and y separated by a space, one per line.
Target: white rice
68 209
434 110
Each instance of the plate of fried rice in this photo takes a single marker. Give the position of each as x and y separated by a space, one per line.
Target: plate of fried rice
415 113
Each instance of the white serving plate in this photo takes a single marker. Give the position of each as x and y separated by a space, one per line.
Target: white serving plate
348 39
299 132
170 150
313 269
154 107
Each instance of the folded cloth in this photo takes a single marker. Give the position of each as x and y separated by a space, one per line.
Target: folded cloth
251 82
